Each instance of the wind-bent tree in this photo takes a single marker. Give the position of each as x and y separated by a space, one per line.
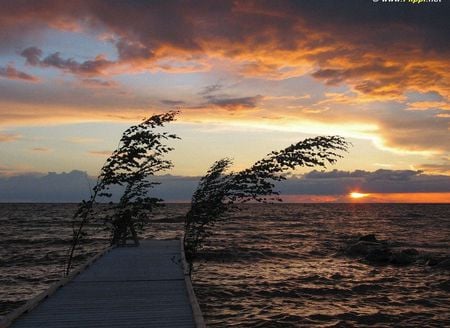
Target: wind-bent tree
219 190
139 155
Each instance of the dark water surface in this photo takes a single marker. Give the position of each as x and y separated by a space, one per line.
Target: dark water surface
267 265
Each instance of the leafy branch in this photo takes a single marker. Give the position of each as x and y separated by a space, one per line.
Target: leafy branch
218 190
139 155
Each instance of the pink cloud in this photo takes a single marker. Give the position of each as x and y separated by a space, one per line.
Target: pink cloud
10 72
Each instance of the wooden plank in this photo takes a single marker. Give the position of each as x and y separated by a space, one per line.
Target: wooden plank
142 286
197 312
162 261
124 304
35 301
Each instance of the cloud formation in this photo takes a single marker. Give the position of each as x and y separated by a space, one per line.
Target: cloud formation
234 104
40 149
334 185
93 67
9 137
98 83
75 186
102 153
82 140
379 50
173 103
378 53
441 168
381 181
10 72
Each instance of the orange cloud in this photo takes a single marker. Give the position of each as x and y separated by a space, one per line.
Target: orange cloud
82 140
428 105
100 152
8 171
9 137
87 106
393 129
443 168
380 53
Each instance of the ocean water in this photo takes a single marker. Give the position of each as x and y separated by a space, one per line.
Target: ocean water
280 265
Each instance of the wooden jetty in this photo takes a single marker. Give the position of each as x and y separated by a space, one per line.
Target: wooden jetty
144 286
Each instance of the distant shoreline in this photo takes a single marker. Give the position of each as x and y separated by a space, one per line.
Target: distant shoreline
259 204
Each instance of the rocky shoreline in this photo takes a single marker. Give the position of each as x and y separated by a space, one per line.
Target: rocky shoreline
373 251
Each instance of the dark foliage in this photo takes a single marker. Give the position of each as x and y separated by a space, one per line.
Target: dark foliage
140 154
219 190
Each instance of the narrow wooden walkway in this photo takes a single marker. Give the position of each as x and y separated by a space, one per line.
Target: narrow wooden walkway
135 287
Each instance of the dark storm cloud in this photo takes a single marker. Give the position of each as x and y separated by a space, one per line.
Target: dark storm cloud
74 186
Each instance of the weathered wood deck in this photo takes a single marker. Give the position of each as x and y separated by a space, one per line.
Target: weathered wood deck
144 286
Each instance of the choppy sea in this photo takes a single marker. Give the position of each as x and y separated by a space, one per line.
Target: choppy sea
282 265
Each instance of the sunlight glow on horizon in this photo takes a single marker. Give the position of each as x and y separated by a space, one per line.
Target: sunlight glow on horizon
358 195
373 198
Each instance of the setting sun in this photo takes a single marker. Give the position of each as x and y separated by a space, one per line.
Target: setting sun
357 195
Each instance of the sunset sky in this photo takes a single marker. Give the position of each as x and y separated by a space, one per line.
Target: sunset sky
249 77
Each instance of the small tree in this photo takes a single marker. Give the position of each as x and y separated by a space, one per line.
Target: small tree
219 190
139 155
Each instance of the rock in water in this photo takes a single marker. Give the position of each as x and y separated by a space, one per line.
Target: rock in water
445 264
405 257
432 260
362 248
379 255
371 237
411 251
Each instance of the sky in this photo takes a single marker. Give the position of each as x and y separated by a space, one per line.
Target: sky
248 76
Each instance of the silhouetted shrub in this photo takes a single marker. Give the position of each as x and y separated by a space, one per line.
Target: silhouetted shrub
219 190
139 155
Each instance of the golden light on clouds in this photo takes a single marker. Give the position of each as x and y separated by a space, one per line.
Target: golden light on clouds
248 76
